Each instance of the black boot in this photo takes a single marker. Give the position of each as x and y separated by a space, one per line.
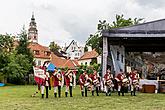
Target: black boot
134 92
106 94
82 93
70 91
59 91
66 94
97 91
46 91
55 94
122 93
86 92
118 93
92 93
109 92
131 93
42 95
122 90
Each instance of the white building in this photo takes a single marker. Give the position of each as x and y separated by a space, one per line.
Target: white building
73 51
90 57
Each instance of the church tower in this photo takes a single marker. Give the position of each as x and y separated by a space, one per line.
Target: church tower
32 31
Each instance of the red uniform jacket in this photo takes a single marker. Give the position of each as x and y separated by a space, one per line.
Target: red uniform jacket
81 79
120 77
107 77
92 76
133 76
57 79
68 80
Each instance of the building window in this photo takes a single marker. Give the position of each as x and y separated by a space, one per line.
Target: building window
47 53
39 62
36 52
74 48
75 54
85 63
35 38
118 55
122 58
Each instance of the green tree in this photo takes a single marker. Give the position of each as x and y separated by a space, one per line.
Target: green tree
95 40
6 43
6 47
22 48
17 68
54 47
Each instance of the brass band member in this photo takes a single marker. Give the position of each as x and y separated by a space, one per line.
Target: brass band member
133 77
108 82
95 82
88 83
46 82
82 82
69 81
122 81
57 83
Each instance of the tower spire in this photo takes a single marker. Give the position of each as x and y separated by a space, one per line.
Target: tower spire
32 31
32 16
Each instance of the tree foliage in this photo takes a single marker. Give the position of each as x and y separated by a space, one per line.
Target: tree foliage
54 47
22 48
17 68
95 40
6 43
15 63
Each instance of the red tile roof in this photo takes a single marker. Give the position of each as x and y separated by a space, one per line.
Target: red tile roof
89 55
62 63
41 49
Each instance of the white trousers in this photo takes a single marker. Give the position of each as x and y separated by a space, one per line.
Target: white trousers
42 89
55 89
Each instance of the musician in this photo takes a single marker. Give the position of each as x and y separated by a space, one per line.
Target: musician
88 83
133 77
82 82
57 82
45 84
95 82
108 82
69 81
121 81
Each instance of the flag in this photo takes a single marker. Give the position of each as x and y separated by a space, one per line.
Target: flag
51 67
39 75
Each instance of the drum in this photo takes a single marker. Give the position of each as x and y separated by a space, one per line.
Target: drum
109 83
135 82
125 80
117 79
87 84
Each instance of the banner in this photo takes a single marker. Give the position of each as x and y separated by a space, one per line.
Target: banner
39 75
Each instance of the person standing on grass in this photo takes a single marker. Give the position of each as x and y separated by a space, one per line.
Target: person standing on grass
82 82
121 82
46 82
85 83
133 77
88 83
57 82
95 82
69 81
108 82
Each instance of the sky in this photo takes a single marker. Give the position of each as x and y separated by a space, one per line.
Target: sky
65 20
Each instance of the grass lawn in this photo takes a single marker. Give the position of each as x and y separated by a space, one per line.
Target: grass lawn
19 98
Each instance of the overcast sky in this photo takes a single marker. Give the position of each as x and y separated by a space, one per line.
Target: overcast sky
64 20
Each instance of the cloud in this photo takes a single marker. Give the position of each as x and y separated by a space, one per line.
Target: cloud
64 20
